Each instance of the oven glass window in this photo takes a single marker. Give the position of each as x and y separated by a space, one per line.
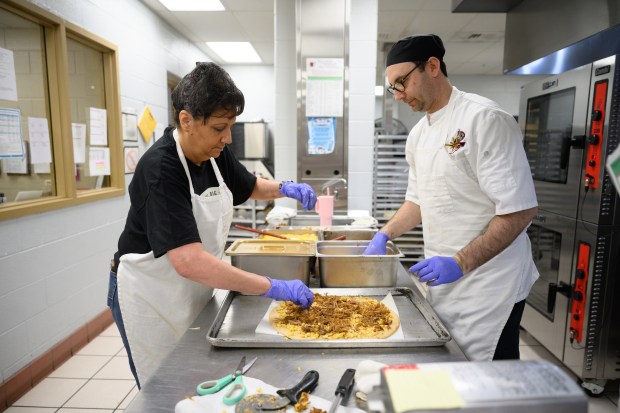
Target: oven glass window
548 130
546 246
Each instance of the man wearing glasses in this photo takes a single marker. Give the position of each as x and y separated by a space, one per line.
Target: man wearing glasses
470 186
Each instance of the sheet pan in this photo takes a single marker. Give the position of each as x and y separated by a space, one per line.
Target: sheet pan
239 315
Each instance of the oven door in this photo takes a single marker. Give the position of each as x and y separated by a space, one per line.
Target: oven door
545 315
552 116
592 345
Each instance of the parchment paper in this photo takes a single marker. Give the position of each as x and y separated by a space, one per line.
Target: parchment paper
264 326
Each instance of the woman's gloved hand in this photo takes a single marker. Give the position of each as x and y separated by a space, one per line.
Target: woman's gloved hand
301 192
290 290
437 270
377 245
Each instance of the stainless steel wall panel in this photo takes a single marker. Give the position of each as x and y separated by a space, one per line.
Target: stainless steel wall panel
322 32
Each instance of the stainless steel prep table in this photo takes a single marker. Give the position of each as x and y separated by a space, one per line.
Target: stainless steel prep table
194 360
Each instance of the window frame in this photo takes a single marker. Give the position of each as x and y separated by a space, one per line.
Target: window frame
56 79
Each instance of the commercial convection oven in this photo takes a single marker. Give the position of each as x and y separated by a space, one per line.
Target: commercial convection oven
571 123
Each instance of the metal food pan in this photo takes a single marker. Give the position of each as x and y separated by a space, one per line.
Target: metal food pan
239 315
281 259
298 234
312 227
343 264
350 234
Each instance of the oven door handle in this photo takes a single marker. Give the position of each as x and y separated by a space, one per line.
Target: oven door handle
562 288
578 141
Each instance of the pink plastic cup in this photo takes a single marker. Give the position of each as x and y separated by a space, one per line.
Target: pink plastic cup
325 208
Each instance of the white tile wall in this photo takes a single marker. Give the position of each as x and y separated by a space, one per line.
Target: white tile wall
362 52
362 73
14 345
285 118
23 304
361 133
361 107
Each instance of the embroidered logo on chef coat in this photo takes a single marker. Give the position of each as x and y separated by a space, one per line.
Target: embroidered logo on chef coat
455 143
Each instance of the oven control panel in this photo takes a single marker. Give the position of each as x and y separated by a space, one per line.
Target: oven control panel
579 293
595 139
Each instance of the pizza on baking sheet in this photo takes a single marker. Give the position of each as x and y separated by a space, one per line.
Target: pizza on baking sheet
335 317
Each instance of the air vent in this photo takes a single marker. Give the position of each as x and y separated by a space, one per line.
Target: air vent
483 6
477 37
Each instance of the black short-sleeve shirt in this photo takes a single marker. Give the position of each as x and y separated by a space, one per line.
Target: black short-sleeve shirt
160 216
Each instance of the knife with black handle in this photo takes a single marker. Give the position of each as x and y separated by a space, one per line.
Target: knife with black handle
344 385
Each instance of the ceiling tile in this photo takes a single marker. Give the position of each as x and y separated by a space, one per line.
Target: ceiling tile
391 25
252 20
257 25
399 5
213 26
438 22
265 51
487 22
248 5
461 52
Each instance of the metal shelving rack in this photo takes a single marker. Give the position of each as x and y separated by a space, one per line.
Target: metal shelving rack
251 213
389 188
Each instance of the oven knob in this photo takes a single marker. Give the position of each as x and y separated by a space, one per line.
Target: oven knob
593 139
577 295
592 162
597 115
580 274
576 317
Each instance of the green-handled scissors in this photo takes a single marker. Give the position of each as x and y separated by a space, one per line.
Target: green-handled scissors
236 392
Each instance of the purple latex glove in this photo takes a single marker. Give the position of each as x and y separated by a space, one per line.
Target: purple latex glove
290 290
437 270
301 192
377 245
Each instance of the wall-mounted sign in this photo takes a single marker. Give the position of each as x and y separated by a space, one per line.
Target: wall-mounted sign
321 135
324 87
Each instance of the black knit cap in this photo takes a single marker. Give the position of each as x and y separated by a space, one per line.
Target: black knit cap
416 48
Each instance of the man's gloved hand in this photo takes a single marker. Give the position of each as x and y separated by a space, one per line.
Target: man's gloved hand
437 270
301 192
290 290
377 245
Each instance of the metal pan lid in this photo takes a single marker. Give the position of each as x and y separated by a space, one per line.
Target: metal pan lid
272 247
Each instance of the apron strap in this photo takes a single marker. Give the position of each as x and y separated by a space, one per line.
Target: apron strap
218 174
175 134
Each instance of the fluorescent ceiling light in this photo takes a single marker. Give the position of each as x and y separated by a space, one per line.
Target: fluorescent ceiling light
193 5
235 52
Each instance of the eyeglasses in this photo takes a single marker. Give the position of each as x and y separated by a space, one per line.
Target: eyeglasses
400 85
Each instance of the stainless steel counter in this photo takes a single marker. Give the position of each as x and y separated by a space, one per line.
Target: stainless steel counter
194 360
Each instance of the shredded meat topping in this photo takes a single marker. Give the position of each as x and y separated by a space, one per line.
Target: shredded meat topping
302 404
336 316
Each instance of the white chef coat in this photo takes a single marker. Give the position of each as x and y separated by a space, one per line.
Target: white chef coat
467 165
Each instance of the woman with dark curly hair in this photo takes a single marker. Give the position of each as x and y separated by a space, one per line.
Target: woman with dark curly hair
182 196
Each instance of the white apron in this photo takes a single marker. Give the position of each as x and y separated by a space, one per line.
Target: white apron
476 307
157 304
